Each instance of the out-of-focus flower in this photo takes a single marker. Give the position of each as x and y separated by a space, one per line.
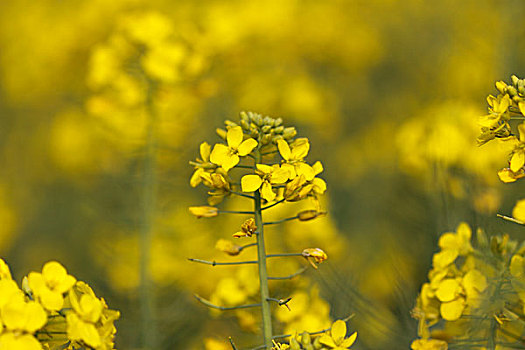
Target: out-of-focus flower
204 211
317 254
228 247
429 344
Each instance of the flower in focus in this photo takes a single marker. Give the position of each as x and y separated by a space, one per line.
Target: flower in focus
335 338
202 164
50 285
204 211
293 158
228 156
266 176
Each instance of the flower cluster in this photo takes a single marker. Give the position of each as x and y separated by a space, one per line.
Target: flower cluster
508 104
333 339
474 292
51 311
262 160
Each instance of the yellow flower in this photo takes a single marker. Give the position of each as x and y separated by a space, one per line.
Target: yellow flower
307 215
429 344
10 340
458 241
80 330
219 183
266 176
50 285
19 315
248 228
293 158
506 175
519 210
279 346
518 157
335 338
202 164
204 211
228 156
317 254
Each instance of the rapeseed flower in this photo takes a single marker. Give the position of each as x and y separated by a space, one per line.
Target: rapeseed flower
50 285
335 338
228 156
293 156
265 177
204 211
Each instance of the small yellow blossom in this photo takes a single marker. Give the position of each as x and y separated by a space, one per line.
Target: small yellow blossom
506 175
50 285
22 341
335 338
228 156
248 228
204 211
307 215
202 164
293 158
265 178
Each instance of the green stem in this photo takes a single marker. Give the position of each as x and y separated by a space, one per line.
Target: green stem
214 263
149 192
263 272
283 254
280 221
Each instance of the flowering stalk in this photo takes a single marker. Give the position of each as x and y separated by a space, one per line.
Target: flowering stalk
261 262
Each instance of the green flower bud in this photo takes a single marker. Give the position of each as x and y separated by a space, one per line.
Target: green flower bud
266 129
512 91
221 132
294 344
278 122
278 130
266 139
229 124
500 85
289 133
245 125
245 117
268 121
306 339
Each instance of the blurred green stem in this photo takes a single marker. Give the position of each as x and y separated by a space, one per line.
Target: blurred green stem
263 273
149 195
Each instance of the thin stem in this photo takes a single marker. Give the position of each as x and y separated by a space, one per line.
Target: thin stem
149 198
232 343
508 218
242 194
235 212
300 271
274 204
246 246
263 272
283 254
282 220
224 308
214 263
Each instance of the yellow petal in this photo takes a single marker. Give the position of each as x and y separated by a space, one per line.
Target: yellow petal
250 183
447 290
318 167
521 106
519 210
230 161
290 169
517 160
234 137
348 342
327 340
474 281
284 149
264 168
300 148
451 311
205 149
195 179
219 154
319 185
338 331
267 192
280 176
246 147
507 176
306 170
444 258
521 129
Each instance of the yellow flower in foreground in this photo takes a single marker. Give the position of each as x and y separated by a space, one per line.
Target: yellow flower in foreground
79 330
336 337
202 164
22 316
293 157
266 176
228 156
204 211
50 285
10 340
4 270
429 344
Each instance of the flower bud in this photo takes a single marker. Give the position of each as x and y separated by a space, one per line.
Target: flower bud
289 133
266 129
278 130
247 229
515 80
307 215
267 121
221 132
500 85
204 211
228 247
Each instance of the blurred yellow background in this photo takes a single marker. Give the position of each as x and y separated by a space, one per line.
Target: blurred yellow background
388 93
